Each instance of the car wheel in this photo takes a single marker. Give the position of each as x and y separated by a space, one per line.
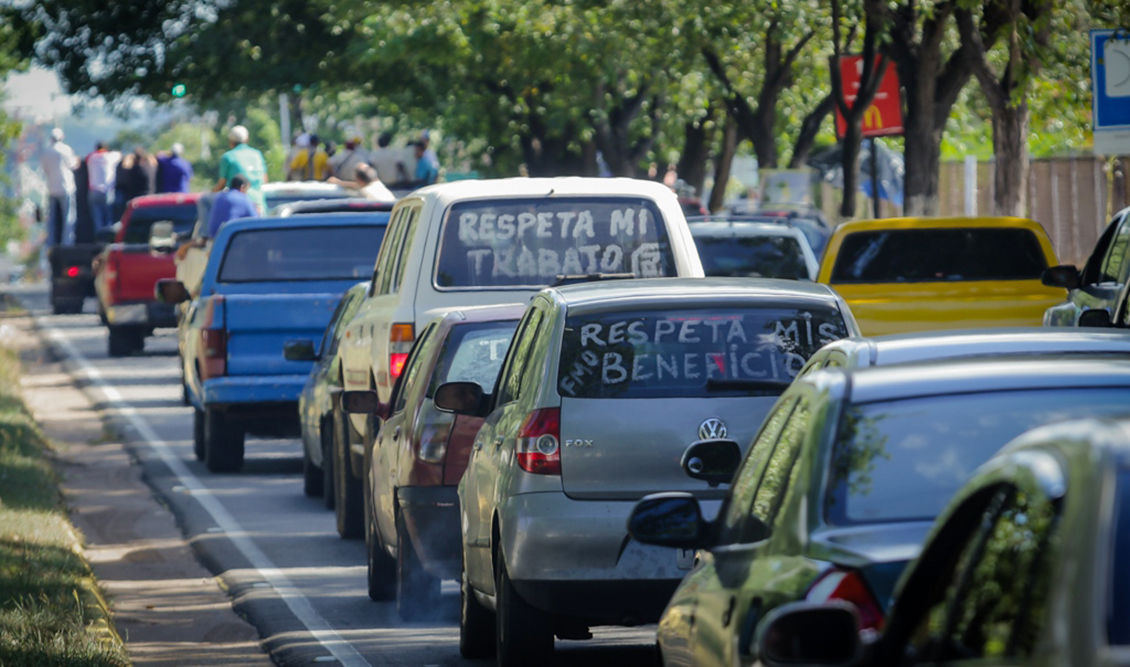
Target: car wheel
311 476
223 443
327 436
348 494
476 624
198 434
184 397
381 569
417 591
123 341
524 634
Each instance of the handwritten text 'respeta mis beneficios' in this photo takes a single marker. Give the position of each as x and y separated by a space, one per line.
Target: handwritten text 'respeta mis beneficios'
688 349
552 243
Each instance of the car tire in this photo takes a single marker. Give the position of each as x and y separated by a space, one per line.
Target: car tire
185 399
66 305
198 434
524 634
124 341
223 442
327 437
417 591
348 494
311 476
381 568
476 624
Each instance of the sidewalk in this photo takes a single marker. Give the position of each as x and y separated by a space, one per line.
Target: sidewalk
168 608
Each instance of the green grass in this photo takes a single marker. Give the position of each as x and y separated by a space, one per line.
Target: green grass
50 611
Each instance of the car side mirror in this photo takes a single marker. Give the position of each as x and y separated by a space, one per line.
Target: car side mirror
1095 317
1064 275
810 634
162 237
170 291
363 402
300 350
713 461
669 520
461 398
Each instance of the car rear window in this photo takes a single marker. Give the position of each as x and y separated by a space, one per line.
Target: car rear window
1118 607
939 255
752 256
689 352
311 253
473 353
183 217
529 242
904 460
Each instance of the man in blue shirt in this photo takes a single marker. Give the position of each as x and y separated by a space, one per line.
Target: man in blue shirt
175 172
231 204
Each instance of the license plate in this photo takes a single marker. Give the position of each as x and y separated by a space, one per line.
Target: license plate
684 559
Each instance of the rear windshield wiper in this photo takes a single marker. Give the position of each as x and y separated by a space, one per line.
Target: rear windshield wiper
767 387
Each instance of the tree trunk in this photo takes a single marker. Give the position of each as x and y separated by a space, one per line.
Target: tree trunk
1010 150
696 149
921 160
722 165
849 162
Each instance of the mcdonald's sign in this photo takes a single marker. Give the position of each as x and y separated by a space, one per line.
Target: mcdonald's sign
884 117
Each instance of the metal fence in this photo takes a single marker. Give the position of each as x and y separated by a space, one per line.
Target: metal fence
1072 197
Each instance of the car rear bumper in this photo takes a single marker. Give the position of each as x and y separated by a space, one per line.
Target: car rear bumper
576 558
253 389
142 314
431 514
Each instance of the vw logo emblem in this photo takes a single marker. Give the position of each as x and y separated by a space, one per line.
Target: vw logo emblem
712 429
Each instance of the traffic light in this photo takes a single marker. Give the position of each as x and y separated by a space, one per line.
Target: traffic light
179 90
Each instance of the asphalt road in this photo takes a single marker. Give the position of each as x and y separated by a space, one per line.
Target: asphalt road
276 551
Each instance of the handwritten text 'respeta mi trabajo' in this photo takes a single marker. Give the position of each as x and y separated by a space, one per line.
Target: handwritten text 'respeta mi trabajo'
551 243
682 350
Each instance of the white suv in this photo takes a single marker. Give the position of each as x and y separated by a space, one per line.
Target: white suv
478 243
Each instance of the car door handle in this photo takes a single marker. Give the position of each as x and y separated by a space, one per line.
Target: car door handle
396 433
498 441
478 445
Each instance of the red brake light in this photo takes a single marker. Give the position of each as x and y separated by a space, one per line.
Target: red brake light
400 337
213 341
72 272
849 586
539 449
396 363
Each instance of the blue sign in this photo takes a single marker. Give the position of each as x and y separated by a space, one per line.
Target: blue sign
1110 86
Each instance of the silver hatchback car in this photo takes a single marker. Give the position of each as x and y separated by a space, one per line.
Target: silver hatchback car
605 387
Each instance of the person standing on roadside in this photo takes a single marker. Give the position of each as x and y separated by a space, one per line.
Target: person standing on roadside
309 164
231 204
143 174
175 172
101 171
246 161
58 162
344 163
385 160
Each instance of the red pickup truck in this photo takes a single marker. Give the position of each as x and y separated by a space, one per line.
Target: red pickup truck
127 270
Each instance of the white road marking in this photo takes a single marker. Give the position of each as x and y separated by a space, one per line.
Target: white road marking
318 627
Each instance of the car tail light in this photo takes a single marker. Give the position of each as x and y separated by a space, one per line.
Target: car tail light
213 342
111 272
849 586
72 272
400 338
539 442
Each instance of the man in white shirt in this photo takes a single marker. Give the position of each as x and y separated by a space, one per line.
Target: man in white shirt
366 183
58 162
101 169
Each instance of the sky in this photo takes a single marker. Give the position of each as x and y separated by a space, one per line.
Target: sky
36 96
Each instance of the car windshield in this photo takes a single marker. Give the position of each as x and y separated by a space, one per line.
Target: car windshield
1118 608
690 352
939 255
752 256
473 353
183 217
318 253
529 242
904 460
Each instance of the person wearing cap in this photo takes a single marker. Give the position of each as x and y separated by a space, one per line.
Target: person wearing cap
247 161
102 176
58 162
174 172
310 163
344 163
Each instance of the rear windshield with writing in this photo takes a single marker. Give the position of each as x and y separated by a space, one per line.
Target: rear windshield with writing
529 242
939 255
752 256
473 353
183 217
689 353
321 253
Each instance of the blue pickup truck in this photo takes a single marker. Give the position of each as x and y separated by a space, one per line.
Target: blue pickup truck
268 281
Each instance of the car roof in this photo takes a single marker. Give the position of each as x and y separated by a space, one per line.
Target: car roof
165 199
602 293
880 383
299 187
377 218
932 345
936 223
567 186
734 228
337 204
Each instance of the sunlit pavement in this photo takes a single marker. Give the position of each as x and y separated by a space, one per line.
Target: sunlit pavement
276 550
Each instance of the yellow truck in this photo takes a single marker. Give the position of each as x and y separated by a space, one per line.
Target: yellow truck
919 274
